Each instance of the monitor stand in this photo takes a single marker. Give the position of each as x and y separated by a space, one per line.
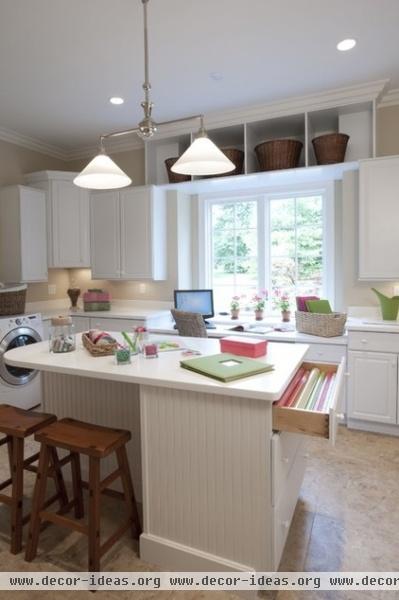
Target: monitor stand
209 325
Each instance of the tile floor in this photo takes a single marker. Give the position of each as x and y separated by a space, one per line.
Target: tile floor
347 519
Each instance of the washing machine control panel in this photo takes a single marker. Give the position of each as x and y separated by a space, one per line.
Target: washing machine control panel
32 321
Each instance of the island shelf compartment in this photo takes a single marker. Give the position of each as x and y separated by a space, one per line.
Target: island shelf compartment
319 423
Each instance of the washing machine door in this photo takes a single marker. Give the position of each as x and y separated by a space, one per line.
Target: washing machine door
20 336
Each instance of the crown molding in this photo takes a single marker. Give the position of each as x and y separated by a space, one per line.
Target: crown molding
356 94
391 98
19 139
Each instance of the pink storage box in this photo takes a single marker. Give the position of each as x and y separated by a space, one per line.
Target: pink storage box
96 296
243 346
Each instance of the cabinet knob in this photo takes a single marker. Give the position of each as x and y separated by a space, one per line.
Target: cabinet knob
340 416
306 455
285 524
363 341
285 460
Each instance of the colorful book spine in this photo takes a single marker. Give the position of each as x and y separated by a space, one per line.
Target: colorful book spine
316 391
307 390
291 387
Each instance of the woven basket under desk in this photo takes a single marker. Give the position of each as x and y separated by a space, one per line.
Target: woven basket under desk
323 325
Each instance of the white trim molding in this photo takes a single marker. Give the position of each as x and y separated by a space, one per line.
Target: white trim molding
391 98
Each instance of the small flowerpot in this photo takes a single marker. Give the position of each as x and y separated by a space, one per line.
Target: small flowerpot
286 316
235 312
258 315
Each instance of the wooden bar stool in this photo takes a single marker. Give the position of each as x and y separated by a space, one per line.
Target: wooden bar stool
18 424
95 442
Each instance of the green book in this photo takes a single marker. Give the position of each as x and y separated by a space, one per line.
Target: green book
226 367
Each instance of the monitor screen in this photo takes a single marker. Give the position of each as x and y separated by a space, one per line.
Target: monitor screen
198 301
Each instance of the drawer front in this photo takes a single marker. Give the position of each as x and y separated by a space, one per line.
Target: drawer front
310 422
325 353
373 341
285 447
284 511
114 324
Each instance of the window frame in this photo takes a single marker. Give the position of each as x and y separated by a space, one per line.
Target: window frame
263 198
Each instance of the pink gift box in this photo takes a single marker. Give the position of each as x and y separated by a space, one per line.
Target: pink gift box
94 296
243 346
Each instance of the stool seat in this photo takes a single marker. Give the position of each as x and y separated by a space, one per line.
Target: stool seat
20 423
83 438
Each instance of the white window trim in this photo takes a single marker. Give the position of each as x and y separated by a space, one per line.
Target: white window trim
263 196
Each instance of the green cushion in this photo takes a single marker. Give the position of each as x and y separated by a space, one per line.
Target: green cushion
319 306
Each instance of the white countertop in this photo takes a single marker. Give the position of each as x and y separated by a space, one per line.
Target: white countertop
370 324
119 310
165 371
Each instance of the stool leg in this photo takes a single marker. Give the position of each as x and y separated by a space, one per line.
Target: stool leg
58 478
9 448
94 514
37 503
128 490
77 485
17 475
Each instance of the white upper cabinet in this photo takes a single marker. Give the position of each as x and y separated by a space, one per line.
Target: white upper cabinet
128 234
23 242
105 235
68 224
378 215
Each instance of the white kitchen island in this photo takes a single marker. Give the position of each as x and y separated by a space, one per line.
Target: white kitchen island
218 484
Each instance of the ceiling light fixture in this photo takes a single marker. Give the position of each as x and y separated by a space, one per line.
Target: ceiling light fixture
116 100
345 45
203 157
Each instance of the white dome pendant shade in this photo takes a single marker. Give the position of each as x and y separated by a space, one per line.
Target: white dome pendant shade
203 157
102 174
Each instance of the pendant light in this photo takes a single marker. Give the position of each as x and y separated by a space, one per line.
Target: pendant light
203 157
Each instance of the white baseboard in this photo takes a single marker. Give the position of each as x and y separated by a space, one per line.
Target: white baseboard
373 427
171 555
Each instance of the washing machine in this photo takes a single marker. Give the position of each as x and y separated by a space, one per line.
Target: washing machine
19 386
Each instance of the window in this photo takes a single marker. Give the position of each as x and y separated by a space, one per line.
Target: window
269 241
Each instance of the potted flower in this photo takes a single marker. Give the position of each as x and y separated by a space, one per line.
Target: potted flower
235 307
282 301
259 301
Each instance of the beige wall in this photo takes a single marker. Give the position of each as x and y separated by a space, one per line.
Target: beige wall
15 161
388 131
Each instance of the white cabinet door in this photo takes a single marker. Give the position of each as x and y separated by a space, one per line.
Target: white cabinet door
105 235
143 233
372 389
70 225
33 235
378 211
23 242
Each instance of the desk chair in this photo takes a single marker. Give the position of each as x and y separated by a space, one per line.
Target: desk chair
189 324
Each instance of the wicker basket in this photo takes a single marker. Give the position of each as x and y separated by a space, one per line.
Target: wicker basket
330 148
12 299
237 157
323 325
278 154
95 350
175 177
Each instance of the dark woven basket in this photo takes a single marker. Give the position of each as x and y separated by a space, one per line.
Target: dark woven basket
175 177
237 157
330 148
278 154
12 300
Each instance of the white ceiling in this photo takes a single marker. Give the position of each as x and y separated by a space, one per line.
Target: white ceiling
61 60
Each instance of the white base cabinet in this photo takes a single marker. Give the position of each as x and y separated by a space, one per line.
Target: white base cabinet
128 234
23 248
373 386
373 381
68 226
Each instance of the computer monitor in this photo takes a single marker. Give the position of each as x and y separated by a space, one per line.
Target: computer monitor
198 301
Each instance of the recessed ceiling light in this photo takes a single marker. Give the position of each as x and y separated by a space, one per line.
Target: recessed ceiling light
345 45
116 100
